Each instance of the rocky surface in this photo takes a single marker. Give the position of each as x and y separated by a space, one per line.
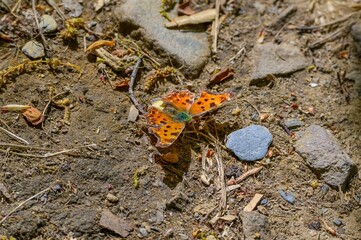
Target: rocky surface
250 143
325 157
48 24
188 49
278 60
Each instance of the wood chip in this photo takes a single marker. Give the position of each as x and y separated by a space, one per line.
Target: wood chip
253 203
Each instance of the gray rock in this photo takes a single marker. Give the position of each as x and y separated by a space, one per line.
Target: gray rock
278 60
48 24
356 35
33 49
250 143
255 223
293 123
188 49
325 157
289 197
73 7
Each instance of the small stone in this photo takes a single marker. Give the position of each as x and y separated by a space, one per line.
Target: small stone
337 221
289 197
277 60
253 224
232 171
113 223
293 123
143 232
112 198
316 225
48 24
250 143
325 157
133 114
33 49
264 201
204 208
211 237
4 192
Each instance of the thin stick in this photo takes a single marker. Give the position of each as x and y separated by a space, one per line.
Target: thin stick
220 168
131 85
14 136
215 34
21 204
2 144
7 126
244 176
53 5
47 154
38 26
258 112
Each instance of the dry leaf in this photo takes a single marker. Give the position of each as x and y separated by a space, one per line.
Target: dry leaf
261 36
222 76
120 52
33 116
99 44
122 84
170 157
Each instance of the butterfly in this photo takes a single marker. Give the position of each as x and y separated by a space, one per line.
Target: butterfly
168 116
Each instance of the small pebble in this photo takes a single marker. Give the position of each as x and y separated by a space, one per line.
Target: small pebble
133 114
143 232
293 123
264 201
337 221
232 171
315 225
112 198
324 189
287 196
33 49
48 24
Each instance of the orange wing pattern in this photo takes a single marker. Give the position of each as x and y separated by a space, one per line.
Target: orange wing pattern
208 101
167 133
163 127
181 100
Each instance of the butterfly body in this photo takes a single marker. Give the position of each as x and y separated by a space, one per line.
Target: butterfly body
168 116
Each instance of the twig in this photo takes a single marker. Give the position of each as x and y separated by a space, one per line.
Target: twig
241 52
53 5
244 176
2 144
7 126
216 27
337 21
38 26
258 112
220 168
131 84
330 37
21 204
47 154
283 125
14 136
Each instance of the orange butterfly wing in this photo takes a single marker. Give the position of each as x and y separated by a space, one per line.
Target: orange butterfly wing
163 127
209 101
181 100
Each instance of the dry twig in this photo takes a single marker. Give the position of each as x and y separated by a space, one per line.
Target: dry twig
14 136
21 204
220 168
131 85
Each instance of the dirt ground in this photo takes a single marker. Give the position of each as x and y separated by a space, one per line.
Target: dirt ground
120 160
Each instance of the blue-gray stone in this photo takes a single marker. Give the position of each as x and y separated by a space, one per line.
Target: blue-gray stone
289 197
250 143
337 221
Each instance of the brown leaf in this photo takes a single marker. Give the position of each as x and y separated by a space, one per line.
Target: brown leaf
170 157
222 76
99 44
122 84
185 9
120 52
33 116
